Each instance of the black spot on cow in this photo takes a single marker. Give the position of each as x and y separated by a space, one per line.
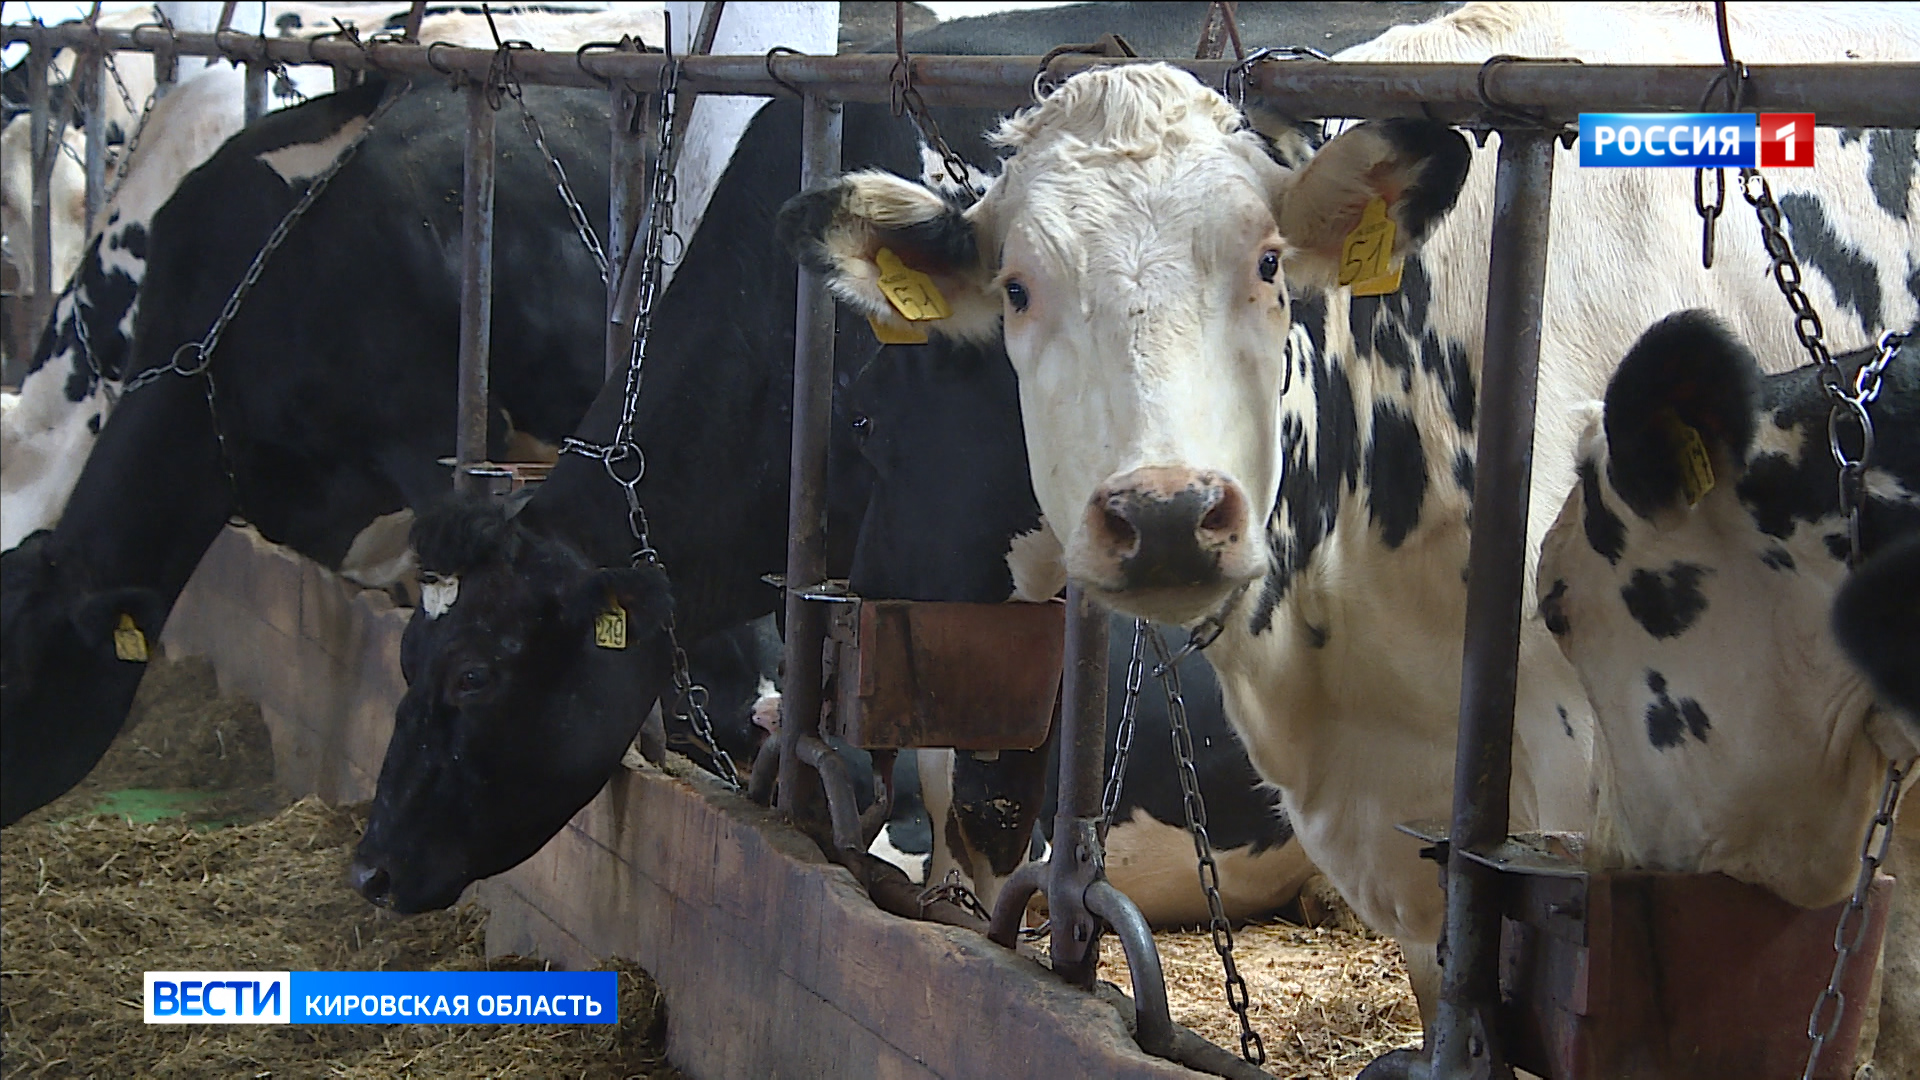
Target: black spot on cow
133 239
1890 161
1839 545
1846 268
1447 362
1390 348
1312 485
1566 724
1396 475
1463 470
1670 721
1446 157
1778 558
1606 533
1361 316
1414 298
1553 609
1666 604
1851 135
1913 284
93 424
1311 312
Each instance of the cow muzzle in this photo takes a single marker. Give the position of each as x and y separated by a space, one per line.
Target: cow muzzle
1166 530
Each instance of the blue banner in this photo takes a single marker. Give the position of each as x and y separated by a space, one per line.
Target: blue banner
1669 140
455 997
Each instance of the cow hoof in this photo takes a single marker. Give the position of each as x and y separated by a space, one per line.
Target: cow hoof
1397 1065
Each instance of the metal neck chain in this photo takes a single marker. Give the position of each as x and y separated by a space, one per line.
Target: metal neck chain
196 357
1195 809
144 112
1847 937
621 456
1123 736
510 83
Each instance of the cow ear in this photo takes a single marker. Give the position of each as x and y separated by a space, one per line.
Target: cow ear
873 234
1414 167
642 592
1877 620
1680 413
97 615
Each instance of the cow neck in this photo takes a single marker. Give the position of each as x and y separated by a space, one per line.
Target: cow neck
153 495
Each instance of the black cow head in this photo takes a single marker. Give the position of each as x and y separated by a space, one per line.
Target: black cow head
72 657
528 672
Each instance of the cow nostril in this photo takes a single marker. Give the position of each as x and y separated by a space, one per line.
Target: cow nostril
371 882
1119 529
1218 519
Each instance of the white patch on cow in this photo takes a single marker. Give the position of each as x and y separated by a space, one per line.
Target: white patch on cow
1153 863
934 174
301 162
66 193
1038 565
379 556
914 866
1887 487
437 596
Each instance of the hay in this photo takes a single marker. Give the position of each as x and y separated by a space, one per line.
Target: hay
1325 1001
90 901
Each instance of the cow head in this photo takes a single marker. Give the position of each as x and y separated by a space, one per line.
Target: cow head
1135 255
66 679
528 672
1689 579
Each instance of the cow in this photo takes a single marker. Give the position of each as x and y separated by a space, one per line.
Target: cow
325 422
66 196
1327 526
401 860
81 358
940 426
1689 578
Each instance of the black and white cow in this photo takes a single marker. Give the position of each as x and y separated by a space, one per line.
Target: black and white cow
952 517
716 549
336 385
1689 579
82 354
1329 525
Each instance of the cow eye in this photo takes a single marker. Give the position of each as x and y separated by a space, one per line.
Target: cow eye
862 427
472 681
1017 296
1269 266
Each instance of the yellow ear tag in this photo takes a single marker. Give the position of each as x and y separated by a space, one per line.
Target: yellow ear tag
610 627
890 331
128 642
1366 256
1696 465
1386 283
911 292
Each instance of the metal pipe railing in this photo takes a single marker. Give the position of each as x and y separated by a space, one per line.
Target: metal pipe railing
1845 95
476 287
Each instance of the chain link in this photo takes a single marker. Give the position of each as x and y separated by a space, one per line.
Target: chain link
1848 935
582 225
1129 713
906 99
621 456
1195 809
953 889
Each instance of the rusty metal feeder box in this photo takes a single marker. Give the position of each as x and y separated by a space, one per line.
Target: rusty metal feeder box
910 673
1642 975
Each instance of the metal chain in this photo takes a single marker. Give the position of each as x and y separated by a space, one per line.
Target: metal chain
906 99
581 224
202 351
145 111
1195 809
1129 714
621 455
953 889
1848 935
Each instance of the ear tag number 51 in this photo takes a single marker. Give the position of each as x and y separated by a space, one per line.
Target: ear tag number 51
1366 256
912 293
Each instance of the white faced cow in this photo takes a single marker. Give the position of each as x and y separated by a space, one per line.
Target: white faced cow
1689 579
1133 250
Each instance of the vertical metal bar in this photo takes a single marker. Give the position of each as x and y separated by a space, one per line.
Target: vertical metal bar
1496 563
807 494
96 127
476 288
626 192
256 100
166 71
45 143
1083 748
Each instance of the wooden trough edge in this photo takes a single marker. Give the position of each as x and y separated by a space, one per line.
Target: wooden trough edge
773 961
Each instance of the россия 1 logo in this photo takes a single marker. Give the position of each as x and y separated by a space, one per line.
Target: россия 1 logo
1696 140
